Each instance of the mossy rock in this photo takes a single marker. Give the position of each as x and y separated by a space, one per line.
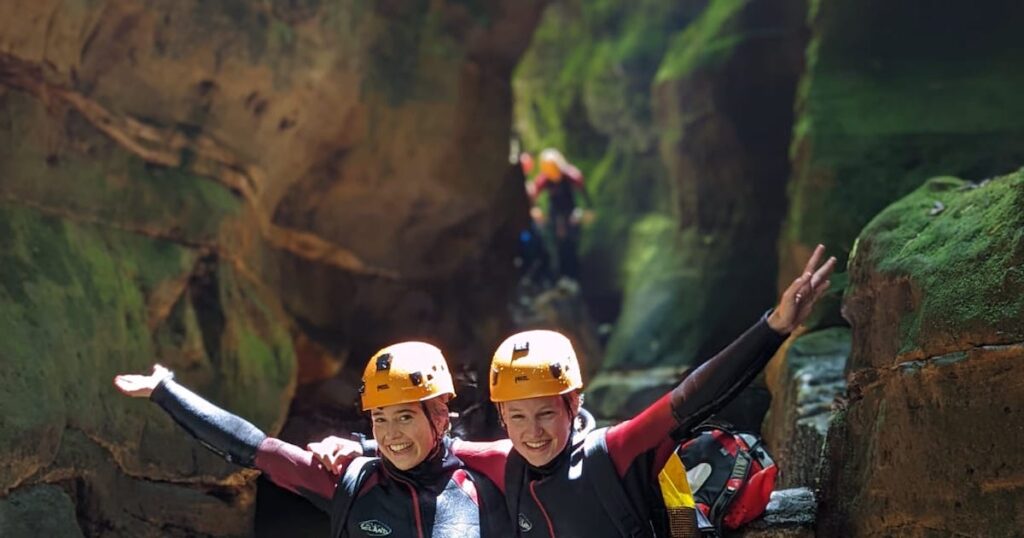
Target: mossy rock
42 510
893 95
80 303
940 270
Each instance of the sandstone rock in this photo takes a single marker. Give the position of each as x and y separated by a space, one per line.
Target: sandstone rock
928 440
83 302
172 172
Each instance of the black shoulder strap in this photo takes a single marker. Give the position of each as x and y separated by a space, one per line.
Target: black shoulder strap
515 480
348 489
601 473
494 518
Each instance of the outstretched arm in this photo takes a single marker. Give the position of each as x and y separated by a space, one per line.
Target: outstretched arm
232 437
715 383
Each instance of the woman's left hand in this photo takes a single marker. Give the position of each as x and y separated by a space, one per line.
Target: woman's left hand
798 300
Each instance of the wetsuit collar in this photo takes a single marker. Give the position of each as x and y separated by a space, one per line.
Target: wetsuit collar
432 471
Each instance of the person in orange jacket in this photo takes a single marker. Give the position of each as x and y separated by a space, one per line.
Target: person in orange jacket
562 181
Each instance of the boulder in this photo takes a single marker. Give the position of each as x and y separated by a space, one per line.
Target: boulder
926 441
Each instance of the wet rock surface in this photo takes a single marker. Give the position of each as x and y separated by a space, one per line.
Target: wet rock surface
790 514
805 378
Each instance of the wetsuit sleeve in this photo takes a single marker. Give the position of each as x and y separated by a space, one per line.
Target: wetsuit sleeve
232 437
702 392
487 458
240 442
716 382
296 470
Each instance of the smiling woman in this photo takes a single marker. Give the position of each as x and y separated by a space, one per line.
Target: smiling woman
406 388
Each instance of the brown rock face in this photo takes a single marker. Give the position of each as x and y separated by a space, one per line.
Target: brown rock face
927 442
172 173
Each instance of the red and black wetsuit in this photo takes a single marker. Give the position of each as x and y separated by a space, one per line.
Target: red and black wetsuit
560 499
561 204
439 498
562 198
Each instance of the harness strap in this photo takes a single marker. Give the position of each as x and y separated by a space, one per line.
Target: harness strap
345 494
736 479
609 487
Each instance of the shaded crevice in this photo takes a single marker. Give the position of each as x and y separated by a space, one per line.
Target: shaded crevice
204 293
864 379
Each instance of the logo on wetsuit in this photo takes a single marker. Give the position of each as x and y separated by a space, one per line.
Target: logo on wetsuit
524 524
374 528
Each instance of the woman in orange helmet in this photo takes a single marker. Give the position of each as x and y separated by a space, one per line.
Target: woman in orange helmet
417 487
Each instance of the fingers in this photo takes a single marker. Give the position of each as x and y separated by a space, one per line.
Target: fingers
798 291
823 272
815 258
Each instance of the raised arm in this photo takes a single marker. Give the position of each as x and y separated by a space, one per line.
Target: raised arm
715 383
232 437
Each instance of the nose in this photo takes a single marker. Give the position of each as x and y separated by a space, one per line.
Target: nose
385 432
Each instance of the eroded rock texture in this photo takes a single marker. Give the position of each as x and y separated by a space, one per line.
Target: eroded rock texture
928 440
191 182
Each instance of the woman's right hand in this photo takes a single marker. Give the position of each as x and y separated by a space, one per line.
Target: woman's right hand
335 453
141 386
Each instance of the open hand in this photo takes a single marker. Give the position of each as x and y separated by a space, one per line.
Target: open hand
335 453
141 386
798 300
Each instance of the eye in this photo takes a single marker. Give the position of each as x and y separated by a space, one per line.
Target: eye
516 416
404 418
547 414
379 420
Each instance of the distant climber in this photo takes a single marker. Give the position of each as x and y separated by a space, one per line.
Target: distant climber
561 181
533 259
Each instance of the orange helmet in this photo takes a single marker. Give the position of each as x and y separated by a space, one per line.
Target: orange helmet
552 163
532 364
404 373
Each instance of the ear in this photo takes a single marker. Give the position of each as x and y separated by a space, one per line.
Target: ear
575 400
501 415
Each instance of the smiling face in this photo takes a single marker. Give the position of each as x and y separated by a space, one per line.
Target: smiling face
403 433
538 427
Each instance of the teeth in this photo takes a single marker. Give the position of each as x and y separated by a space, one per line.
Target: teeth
399 447
537 444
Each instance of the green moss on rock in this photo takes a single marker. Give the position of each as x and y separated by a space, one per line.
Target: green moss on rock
708 40
893 95
961 247
79 311
38 511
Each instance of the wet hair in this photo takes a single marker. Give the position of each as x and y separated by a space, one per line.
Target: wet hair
436 410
